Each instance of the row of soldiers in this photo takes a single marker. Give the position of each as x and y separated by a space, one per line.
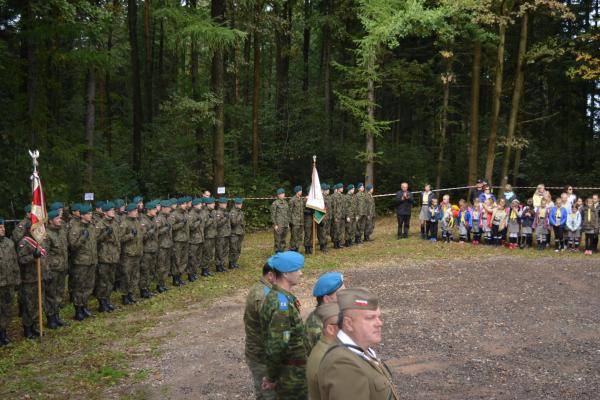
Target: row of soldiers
115 247
349 218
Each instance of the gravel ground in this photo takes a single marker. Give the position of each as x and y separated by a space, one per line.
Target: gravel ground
507 327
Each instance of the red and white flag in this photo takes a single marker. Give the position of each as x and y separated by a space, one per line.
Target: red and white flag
38 205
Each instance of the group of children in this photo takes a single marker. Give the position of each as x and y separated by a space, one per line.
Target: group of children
509 222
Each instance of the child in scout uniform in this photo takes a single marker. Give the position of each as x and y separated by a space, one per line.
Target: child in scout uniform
589 225
464 221
527 216
574 228
447 222
476 221
513 224
540 225
499 222
557 218
434 216
426 197
487 211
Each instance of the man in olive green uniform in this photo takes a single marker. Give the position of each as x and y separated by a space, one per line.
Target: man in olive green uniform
350 369
210 234
323 228
296 206
84 259
280 218
10 279
109 254
132 249
285 336
328 317
204 218
98 213
223 233
325 291
181 236
23 225
57 261
255 350
371 213
360 201
338 213
150 235
350 213
165 246
238 228
196 223
120 213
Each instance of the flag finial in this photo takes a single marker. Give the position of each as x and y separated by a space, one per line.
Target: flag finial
35 154
314 159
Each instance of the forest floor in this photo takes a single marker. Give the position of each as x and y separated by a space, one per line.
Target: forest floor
460 322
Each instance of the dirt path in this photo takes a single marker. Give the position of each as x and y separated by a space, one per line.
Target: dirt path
509 328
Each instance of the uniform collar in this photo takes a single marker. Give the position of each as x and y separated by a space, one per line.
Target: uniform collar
351 344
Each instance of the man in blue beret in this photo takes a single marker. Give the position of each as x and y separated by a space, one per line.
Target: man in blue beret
325 291
285 344
280 218
238 229
23 226
296 206
11 279
323 228
371 213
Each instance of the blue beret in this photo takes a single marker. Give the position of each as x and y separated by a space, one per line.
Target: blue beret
350 186
137 199
53 214
27 208
324 186
223 200
107 205
238 200
56 205
131 206
369 187
197 201
209 200
297 189
280 191
287 261
1 221
328 283
359 185
85 209
165 203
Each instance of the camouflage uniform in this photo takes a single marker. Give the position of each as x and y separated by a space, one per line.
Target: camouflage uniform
10 278
324 228
238 226
28 294
132 249
181 237
84 259
19 232
109 254
285 344
165 247
338 214
350 214
280 217
371 214
196 239
210 233
223 233
296 206
254 350
58 261
360 202
148 264
314 329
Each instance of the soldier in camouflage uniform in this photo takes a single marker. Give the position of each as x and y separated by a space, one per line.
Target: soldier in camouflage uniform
350 213
323 228
57 260
181 236
109 254
360 201
23 225
325 291
223 233
308 225
338 213
296 206
210 233
203 215
84 259
255 350
280 218
97 214
238 228
285 336
132 249
10 279
371 213
165 246
196 239
150 235
120 213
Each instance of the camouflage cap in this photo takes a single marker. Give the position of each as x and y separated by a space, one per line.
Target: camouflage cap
328 310
357 299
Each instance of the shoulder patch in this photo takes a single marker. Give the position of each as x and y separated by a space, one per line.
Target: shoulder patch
266 290
283 301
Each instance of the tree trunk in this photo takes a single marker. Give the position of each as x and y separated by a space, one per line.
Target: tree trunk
491 151
326 67
148 66
283 40
370 143
137 88
516 167
161 58
30 49
217 86
255 103
90 119
475 91
447 80
247 46
516 100
306 44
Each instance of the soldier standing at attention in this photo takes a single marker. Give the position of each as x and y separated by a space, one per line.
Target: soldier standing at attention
238 228
323 228
280 217
337 216
255 350
23 225
165 246
308 221
97 214
10 279
57 258
296 206
119 210
361 213
132 249
350 213
285 336
223 233
350 369
181 237
325 291
196 239
84 260
109 254
150 238
371 213
203 215
328 315
210 233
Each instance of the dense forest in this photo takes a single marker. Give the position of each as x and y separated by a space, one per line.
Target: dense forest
166 97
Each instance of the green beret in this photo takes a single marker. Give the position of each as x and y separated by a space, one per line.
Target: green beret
359 185
369 187
131 206
339 186
350 187
238 200
297 189
119 203
357 299
165 203
209 200
182 200
151 205
156 201
137 199
53 214
85 209
27 208
280 191
98 204
75 207
324 186
222 200
173 200
108 205
57 205
197 201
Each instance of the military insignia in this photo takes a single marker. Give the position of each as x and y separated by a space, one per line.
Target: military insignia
362 303
286 336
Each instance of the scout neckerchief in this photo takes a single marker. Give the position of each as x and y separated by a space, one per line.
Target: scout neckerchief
558 215
462 217
542 212
589 215
425 198
513 214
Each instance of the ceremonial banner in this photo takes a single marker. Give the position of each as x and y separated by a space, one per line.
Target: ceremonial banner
315 196
38 204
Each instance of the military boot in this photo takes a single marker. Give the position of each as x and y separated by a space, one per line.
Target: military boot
307 249
125 300
59 321
206 273
79 315
161 289
110 306
357 240
323 248
220 268
102 306
131 298
27 332
3 338
87 312
145 294
51 322
349 243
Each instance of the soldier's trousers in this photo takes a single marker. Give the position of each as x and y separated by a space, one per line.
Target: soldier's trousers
163 266
361 226
351 228
131 270
55 289
370 226
105 280
258 372
82 279
322 230
180 258
208 256
222 250
147 270
296 236
6 298
339 230
308 232
194 257
28 300
235 247
291 384
279 237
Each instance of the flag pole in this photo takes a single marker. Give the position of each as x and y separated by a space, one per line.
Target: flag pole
314 224
38 262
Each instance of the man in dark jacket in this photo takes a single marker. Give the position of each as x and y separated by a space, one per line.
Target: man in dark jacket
404 202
